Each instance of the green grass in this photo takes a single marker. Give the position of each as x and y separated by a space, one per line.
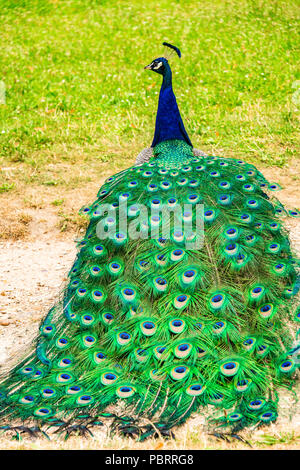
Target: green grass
77 96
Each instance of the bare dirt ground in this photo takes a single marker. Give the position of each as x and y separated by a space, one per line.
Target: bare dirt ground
32 271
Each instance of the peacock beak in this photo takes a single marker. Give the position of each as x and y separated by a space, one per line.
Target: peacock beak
148 67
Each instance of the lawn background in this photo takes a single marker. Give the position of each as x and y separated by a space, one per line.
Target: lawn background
77 94
79 107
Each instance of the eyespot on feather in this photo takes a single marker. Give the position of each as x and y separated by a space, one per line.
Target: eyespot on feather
249 344
43 412
195 389
85 400
256 404
123 338
181 301
157 375
243 385
107 317
73 390
141 355
125 391
229 368
108 378
148 327
177 325
179 372
183 350
99 357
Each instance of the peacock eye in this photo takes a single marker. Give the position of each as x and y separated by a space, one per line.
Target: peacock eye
157 65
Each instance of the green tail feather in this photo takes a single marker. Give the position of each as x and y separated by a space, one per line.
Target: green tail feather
162 328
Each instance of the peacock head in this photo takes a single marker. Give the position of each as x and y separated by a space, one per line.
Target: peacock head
161 65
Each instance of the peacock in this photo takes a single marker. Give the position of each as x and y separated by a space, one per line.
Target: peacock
181 299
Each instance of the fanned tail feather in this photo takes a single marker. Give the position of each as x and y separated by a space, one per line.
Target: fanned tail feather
163 330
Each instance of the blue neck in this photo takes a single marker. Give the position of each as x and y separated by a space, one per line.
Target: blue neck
169 125
167 78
